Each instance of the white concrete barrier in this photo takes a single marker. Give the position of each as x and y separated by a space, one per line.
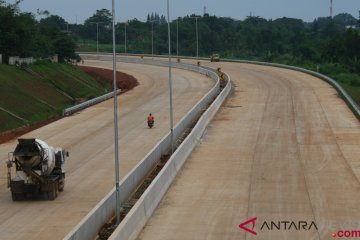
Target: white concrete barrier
92 223
17 60
135 220
89 103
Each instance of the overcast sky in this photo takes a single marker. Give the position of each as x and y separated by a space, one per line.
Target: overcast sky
307 10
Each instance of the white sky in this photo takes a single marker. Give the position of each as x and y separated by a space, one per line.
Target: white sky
307 10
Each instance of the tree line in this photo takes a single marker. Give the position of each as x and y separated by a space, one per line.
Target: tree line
284 40
22 35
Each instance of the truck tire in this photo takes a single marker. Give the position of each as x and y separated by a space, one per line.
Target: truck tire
53 192
17 196
61 186
61 182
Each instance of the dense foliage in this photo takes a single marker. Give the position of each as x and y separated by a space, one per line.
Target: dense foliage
329 44
22 35
324 41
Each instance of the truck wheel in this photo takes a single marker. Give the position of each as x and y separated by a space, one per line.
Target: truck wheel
61 187
61 182
17 197
52 194
56 189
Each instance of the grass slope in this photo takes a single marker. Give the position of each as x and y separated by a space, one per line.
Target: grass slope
42 91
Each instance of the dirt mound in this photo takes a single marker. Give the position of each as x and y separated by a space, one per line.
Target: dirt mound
124 81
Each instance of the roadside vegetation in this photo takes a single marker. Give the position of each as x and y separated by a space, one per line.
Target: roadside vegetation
22 35
41 91
331 45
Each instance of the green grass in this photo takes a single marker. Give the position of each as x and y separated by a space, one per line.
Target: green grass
351 83
36 98
69 79
27 84
9 122
21 94
348 80
90 46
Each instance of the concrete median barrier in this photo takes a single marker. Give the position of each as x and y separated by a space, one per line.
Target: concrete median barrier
92 223
135 220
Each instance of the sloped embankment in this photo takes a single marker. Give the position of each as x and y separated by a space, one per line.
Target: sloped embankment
36 95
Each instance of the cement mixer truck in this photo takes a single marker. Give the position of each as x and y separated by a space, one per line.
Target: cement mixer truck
39 170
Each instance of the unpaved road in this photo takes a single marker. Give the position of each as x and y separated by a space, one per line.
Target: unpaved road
88 136
284 147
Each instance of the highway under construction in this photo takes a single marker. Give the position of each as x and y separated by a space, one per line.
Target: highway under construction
283 147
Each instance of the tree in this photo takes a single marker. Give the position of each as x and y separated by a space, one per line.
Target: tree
163 19
54 21
102 15
16 31
52 38
45 13
345 19
21 35
65 47
103 19
351 44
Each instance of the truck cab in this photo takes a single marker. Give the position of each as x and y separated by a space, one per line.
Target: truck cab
215 57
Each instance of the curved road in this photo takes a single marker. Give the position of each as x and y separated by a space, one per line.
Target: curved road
88 136
284 147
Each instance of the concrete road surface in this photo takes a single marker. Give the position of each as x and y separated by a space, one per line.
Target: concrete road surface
284 149
88 136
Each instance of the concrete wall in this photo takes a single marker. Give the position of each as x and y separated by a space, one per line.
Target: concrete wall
92 223
88 103
135 220
54 59
15 59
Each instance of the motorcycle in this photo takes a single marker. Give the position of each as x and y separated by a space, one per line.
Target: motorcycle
150 124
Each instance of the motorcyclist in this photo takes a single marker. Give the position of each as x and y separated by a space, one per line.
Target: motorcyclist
150 120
